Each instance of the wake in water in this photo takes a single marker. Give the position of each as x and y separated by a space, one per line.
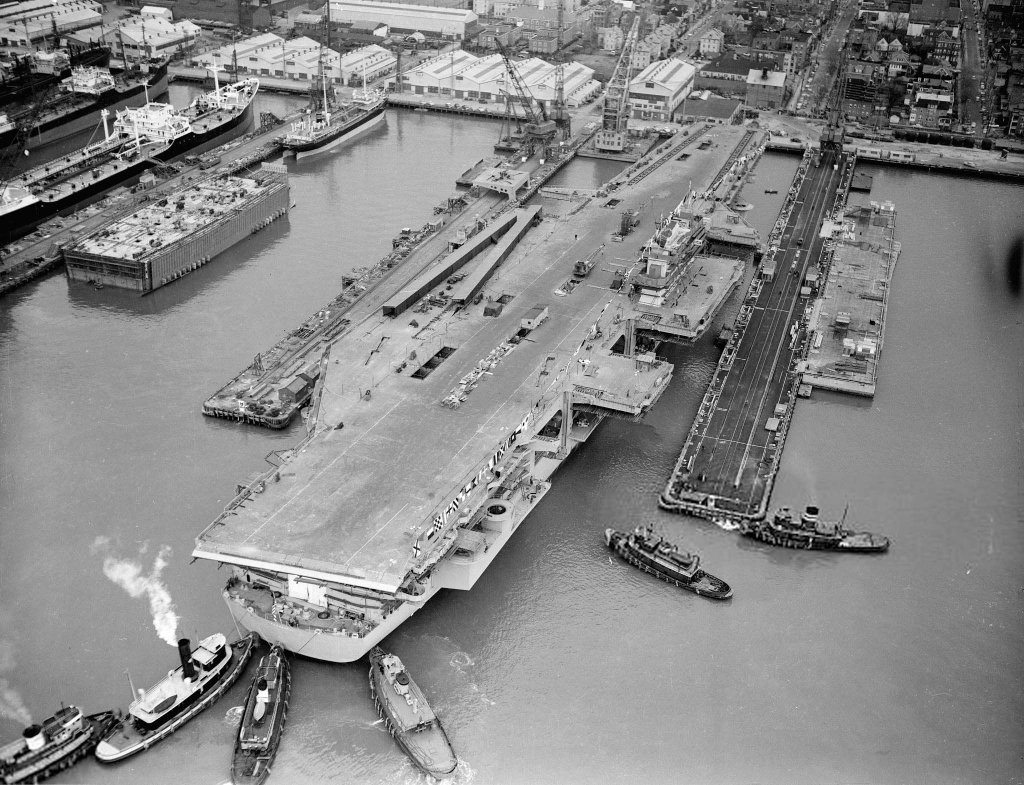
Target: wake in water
12 707
726 524
233 715
461 660
129 576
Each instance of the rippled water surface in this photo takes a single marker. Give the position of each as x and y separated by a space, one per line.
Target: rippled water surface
563 665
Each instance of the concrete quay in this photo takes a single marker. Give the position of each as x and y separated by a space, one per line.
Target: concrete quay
728 464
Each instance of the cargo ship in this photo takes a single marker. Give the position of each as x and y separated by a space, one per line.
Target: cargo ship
811 533
320 130
83 95
30 74
142 137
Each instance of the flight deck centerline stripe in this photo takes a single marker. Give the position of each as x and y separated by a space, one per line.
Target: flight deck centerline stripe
317 476
382 528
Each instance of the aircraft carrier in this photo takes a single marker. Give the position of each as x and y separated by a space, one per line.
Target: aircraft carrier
443 410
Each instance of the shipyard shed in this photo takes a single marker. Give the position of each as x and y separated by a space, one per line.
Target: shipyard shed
167 239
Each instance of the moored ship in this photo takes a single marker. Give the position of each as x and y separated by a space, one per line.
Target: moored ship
655 555
83 95
328 554
142 137
263 719
404 709
810 533
55 744
204 675
320 130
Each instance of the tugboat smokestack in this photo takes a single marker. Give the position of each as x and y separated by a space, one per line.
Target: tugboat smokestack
185 653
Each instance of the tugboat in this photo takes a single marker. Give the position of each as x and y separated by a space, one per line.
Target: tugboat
262 723
401 704
204 675
648 552
810 533
55 744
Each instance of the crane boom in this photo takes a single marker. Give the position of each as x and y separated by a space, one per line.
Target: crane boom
612 136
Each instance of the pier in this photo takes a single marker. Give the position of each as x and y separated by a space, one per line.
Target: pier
728 464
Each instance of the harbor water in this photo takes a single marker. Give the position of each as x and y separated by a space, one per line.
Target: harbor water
563 664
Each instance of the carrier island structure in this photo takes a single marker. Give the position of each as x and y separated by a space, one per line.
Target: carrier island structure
459 386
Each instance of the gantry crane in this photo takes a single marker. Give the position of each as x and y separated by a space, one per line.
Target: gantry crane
612 137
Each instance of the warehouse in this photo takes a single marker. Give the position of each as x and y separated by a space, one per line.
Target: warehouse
659 89
450 24
271 55
461 75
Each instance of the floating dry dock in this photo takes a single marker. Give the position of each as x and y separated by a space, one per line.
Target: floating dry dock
169 238
436 428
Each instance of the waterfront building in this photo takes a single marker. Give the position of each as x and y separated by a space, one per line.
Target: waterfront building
268 54
765 89
461 75
702 107
150 36
449 24
29 23
659 89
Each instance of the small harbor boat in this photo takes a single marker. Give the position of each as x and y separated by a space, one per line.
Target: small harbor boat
810 533
204 675
263 719
742 207
648 552
55 744
401 704
771 190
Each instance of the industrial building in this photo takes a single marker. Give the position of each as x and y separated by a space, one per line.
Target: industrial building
766 89
152 35
449 24
299 59
659 89
167 239
28 23
461 75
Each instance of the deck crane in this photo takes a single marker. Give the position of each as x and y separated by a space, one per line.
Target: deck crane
612 136
538 129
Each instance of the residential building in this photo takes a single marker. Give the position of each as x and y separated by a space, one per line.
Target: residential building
712 43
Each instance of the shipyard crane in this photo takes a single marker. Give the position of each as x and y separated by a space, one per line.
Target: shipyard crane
833 133
612 136
538 129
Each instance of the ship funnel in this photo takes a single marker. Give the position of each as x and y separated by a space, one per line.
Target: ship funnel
262 698
34 737
188 670
810 517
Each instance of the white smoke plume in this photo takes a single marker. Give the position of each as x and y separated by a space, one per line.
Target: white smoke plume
12 707
129 576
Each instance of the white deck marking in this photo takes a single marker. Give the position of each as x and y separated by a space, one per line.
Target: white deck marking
316 476
382 528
